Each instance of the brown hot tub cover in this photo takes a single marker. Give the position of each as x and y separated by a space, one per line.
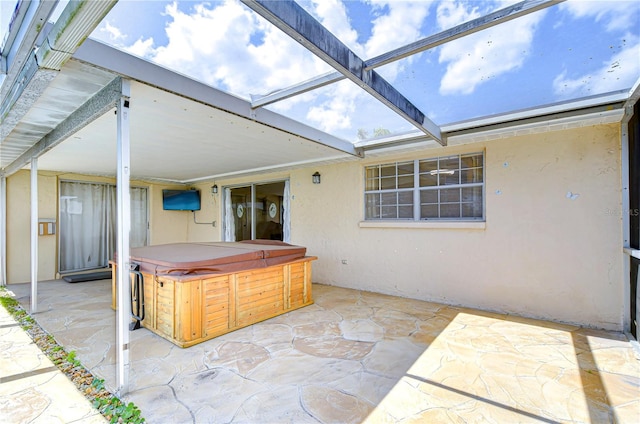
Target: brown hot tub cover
190 259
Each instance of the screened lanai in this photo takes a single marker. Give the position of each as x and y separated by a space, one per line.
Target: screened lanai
420 70
132 90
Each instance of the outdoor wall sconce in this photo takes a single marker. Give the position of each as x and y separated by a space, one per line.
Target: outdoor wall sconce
214 189
316 177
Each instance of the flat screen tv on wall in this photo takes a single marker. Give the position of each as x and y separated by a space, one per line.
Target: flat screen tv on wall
181 200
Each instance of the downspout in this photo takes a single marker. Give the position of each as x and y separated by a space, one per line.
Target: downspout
3 231
626 225
34 235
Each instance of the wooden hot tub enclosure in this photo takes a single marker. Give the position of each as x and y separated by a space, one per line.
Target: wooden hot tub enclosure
197 291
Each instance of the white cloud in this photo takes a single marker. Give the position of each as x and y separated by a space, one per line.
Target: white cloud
218 46
141 48
400 26
477 58
334 114
333 16
113 33
621 71
619 15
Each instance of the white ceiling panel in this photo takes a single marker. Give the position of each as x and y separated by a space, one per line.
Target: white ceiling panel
178 139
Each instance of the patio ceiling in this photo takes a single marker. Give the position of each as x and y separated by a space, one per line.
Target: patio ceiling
179 131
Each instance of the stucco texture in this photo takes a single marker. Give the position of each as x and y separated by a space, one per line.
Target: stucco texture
551 246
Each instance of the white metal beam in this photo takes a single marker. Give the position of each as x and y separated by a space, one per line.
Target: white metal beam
294 21
294 90
487 21
123 198
92 109
34 235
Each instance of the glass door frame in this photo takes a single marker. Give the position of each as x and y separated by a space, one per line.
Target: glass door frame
253 201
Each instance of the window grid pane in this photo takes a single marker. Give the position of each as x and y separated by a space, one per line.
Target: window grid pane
450 188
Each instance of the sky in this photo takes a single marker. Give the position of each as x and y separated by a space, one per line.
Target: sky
575 49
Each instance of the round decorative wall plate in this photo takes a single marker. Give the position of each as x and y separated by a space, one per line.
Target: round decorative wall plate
273 209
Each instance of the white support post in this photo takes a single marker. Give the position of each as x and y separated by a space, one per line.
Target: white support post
34 235
124 227
3 231
626 228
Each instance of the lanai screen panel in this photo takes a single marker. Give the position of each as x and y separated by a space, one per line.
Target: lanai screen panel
569 50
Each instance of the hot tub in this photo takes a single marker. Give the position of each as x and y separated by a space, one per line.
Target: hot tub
196 291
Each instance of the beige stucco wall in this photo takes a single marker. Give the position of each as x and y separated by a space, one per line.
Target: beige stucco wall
543 252
550 247
166 226
19 226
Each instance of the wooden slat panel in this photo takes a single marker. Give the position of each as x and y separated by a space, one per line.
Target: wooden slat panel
220 315
216 304
217 312
214 325
260 295
307 281
258 313
181 311
286 289
247 285
261 300
197 313
270 290
297 284
296 297
164 307
260 272
233 301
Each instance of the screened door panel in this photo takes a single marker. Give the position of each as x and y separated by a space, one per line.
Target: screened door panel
84 227
88 224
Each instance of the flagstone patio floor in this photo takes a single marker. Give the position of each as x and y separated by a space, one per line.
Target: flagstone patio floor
355 357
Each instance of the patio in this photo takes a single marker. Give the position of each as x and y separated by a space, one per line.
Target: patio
355 357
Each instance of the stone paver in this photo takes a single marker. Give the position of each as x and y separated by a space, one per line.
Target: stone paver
32 388
355 357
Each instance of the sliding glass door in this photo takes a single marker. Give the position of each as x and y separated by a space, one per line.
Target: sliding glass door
88 224
257 211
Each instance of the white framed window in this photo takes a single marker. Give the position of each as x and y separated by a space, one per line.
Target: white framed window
441 188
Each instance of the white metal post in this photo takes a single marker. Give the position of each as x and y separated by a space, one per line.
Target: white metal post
124 228
3 231
626 228
34 235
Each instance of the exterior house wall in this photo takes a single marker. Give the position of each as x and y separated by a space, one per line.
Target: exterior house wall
166 226
213 204
550 248
19 226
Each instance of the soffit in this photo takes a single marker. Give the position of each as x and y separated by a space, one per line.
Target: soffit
64 93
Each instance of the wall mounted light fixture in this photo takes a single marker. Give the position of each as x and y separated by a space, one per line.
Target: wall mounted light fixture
316 177
214 189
